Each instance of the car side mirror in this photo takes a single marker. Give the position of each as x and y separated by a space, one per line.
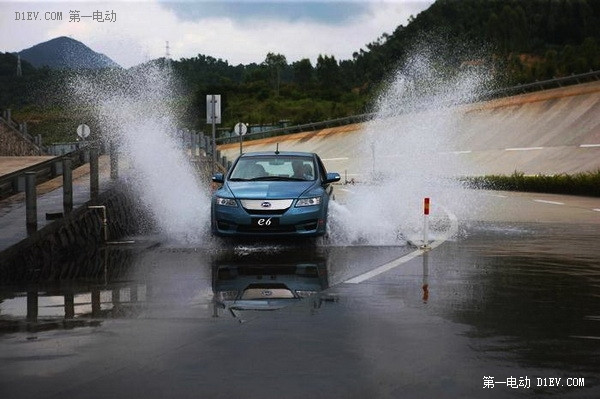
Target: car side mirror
218 178
332 178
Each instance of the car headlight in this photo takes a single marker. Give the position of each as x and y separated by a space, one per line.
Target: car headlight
309 201
305 294
226 201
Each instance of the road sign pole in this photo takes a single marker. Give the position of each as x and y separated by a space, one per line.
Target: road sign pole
240 129
214 138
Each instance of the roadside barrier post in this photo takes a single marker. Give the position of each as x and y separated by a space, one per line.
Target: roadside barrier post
426 223
194 143
96 304
32 306
133 293
30 202
69 305
116 298
114 162
67 185
94 178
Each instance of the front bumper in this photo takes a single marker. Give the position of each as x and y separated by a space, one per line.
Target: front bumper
309 221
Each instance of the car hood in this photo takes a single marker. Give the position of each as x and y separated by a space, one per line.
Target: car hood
269 189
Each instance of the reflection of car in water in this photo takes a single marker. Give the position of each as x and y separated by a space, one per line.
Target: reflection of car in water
272 194
266 286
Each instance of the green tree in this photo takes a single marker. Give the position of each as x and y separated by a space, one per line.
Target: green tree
275 63
303 73
327 72
591 52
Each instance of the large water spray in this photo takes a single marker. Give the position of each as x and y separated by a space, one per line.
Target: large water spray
410 154
135 111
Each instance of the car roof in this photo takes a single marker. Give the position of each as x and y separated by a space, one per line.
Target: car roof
282 153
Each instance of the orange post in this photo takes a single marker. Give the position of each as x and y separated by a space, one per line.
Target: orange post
426 223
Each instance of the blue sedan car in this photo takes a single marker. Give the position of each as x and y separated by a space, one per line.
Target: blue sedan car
272 194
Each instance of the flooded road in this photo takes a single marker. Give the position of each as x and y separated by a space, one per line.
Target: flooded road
508 308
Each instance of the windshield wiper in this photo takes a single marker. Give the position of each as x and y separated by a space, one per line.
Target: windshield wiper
238 179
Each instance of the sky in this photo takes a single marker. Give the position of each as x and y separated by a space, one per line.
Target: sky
238 31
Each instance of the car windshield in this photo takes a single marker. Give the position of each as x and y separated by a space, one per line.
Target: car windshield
275 167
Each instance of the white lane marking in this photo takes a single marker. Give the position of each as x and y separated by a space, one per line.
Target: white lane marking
456 152
397 262
596 209
584 336
385 268
523 148
495 195
335 159
549 202
589 145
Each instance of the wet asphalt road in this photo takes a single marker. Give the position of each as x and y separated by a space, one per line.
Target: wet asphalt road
501 310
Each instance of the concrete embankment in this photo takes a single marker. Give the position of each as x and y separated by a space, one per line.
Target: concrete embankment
38 256
547 132
35 258
14 143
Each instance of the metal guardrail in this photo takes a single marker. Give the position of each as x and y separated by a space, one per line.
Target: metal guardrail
545 84
514 90
14 182
348 120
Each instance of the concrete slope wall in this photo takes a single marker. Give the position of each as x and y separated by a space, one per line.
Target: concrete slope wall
12 143
550 132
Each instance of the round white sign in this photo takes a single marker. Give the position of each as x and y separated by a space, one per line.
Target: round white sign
240 128
83 131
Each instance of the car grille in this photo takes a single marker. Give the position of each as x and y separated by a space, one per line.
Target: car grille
305 226
274 204
265 212
263 229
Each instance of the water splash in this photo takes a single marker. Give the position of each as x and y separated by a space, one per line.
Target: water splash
136 111
412 145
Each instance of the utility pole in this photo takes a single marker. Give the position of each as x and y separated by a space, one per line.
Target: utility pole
168 56
19 70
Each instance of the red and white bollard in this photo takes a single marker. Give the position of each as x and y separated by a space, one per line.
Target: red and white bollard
426 223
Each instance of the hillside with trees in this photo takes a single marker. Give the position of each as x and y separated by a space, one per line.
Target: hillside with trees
517 41
525 41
